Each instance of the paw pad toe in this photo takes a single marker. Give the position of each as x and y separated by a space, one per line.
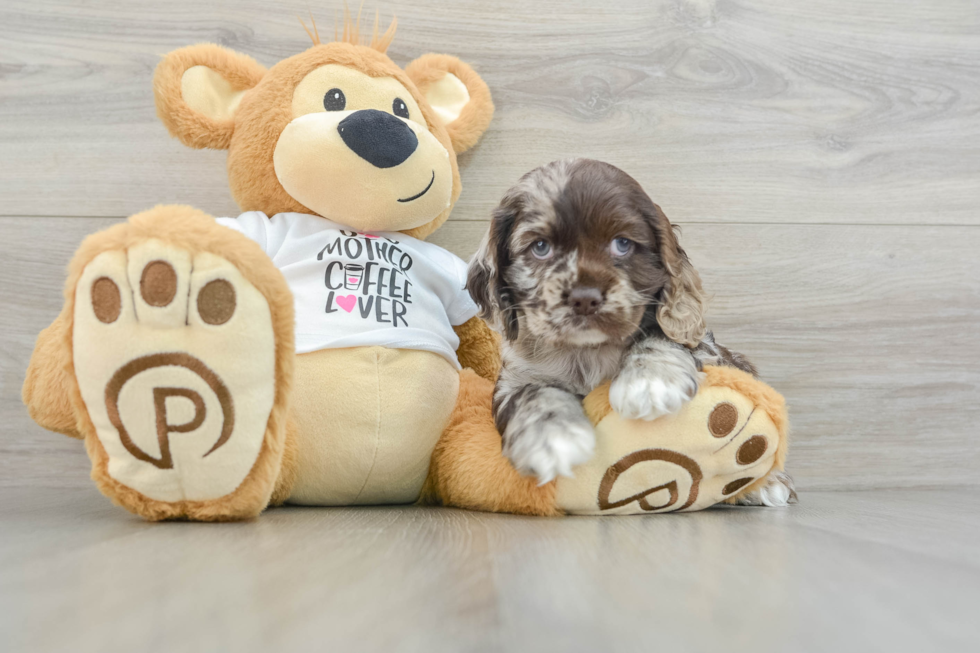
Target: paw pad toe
722 419
751 450
106 300
158 283
216 302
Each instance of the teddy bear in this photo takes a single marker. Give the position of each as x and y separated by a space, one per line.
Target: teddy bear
316 350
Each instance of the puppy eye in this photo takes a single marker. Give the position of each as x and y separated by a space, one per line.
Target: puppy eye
399 108
334 100
620 246
541 250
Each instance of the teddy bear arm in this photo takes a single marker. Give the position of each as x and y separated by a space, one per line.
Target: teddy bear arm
50 383
479 348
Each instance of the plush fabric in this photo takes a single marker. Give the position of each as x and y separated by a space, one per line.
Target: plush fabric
757 393
52 365
723 442
181 117
367 420
206 92
429 70
50 381
263 113
287 471
314 165
479 348
156 368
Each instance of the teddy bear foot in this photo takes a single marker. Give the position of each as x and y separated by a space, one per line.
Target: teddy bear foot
175 356
726 444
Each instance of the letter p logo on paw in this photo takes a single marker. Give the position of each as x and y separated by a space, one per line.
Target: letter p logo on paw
160 395
175 359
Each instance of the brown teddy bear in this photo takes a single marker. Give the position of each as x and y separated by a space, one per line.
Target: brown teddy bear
316 349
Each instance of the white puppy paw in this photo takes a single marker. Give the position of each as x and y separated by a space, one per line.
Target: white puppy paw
549 448
639 393
779 491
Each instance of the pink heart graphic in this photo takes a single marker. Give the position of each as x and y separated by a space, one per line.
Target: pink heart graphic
346 302
369 235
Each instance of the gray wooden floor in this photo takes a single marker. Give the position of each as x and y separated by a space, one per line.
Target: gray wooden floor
890 570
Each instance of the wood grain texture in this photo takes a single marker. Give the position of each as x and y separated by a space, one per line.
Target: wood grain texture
889 571
869 331
797 111
823 157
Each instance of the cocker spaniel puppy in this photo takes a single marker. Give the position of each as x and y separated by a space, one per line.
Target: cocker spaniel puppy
583 275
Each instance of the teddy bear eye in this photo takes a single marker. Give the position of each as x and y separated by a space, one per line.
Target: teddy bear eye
399 108
334 100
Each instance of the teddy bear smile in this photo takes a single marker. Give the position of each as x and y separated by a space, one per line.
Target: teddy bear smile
426 190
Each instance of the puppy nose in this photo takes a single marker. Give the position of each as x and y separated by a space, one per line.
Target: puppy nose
379 138
585 301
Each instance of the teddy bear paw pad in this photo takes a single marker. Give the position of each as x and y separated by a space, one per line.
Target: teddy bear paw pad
718 444
174 354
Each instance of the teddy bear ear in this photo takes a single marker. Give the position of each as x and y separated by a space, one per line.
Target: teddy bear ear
198 89
457 95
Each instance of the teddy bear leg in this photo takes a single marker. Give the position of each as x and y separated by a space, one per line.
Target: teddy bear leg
468 469
726 443
177 339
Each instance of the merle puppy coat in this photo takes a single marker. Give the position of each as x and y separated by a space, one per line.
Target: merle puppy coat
583 275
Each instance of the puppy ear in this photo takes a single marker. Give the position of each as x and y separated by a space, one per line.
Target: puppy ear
198 89
457 95
485 281
681 311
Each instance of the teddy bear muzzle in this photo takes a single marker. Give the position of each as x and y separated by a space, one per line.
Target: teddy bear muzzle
366 169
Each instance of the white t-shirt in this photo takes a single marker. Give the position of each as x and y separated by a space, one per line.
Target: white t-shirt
363 289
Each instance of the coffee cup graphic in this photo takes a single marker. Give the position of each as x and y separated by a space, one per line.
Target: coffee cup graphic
352 276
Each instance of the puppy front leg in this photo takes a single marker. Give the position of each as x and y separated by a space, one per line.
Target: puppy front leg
657 377
545 431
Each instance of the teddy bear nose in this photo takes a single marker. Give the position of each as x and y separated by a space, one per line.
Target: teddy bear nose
379 138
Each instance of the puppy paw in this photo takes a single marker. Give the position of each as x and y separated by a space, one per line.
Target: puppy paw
643 394
548 448
779 491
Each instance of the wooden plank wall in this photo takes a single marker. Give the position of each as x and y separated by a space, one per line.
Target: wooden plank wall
822 156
